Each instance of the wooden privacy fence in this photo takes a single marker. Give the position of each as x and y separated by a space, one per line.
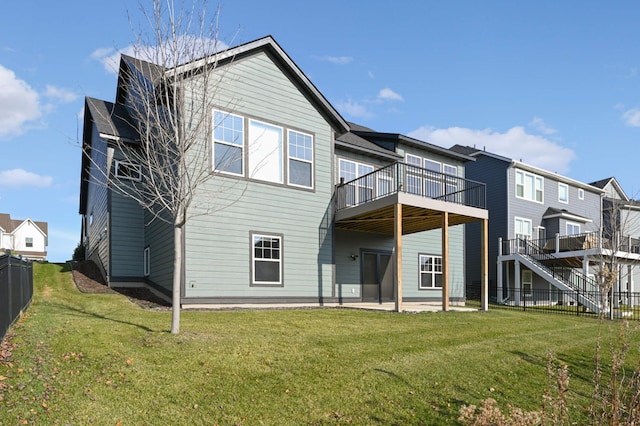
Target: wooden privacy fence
16 289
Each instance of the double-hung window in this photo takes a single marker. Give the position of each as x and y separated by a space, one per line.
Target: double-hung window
523 230
300 159
451 182
527 282
228 143
266 259
28 242
563 193
529 186
430 271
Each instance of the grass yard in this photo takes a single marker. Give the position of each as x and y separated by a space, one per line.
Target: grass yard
100 359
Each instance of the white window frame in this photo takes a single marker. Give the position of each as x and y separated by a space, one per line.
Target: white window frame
531 185
432 186
293 157
360 169
521 236
265 162
435 269
146 261
573 225
28 242
580 194
279 260
231 144
128 166
414 179
563 187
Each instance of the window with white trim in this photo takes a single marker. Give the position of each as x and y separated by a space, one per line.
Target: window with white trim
433 181
563 193
28 242
228 143
414 174
146 261
430 271
580 194
573 228
529 186
265 152
523 229
362 189
126 170
266 259
300 159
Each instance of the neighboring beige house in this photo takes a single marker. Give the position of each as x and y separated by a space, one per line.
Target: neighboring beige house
23 237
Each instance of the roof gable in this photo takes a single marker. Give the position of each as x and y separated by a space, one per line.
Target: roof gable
9 225
286 64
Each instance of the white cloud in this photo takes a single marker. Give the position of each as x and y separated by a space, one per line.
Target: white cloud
19 104
60 94
632 117
539 124
338 60
354 109
387 94
185 49
515 143
18 178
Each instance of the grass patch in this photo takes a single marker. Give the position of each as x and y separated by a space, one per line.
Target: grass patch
98 358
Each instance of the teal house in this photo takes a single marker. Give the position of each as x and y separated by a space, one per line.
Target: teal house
324 210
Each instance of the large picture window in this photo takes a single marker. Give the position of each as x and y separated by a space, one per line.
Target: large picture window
430 271
300 159
529 186
266 259
265 152
228 143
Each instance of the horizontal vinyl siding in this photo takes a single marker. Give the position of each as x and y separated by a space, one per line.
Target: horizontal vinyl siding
218 247
127 236
96 245
430 242
158 237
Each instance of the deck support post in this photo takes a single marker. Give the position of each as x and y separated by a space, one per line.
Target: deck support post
445 261
484 267
397 256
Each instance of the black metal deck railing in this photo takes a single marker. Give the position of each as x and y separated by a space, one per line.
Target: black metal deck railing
401 177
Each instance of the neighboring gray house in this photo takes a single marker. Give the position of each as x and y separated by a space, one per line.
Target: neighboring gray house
334 212
546 233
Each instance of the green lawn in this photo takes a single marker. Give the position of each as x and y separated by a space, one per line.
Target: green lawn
99 359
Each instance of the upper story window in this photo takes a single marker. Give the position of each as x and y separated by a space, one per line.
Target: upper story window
563 193
360 190
28 242
129 171
228 143
580 194
300 159
430 184
265 152
529 186
268 150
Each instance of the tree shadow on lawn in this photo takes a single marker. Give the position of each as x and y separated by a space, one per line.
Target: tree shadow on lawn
82 312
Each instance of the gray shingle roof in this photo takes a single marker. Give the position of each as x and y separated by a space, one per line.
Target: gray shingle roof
112 119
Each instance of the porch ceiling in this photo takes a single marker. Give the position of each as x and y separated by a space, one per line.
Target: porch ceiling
414 219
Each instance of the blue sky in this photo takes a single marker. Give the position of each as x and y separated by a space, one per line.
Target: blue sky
555 84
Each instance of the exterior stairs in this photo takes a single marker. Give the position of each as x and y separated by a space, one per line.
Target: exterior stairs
578 286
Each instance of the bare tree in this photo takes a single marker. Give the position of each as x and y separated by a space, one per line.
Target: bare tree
171 87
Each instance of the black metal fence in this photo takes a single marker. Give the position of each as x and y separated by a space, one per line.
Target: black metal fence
616 305
16 289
